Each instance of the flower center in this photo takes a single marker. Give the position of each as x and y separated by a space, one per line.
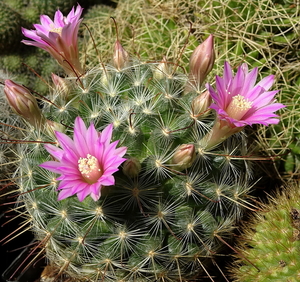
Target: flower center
55 29
89 168
238 107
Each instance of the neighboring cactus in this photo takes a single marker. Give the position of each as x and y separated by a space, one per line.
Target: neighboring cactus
172 206
31 10
269 246
10 22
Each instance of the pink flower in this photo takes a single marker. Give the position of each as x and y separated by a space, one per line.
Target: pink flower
240 102
59 38
86 163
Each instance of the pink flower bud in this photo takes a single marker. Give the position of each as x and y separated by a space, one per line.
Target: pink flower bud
200 105
132 167
201 63
121 56
23 103
61 85
184 156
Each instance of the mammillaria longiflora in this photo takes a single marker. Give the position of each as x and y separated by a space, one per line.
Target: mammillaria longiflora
166 211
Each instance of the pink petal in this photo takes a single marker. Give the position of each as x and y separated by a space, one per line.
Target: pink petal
250 80
237 83
96 197
51 165
106 134
43 29
267 82
46 21
82 194
227 74
80 186
58 19
120 151
264 99
54 151
80 143
95 188
68 184
91 138
64 194
79 126
65 141
107 180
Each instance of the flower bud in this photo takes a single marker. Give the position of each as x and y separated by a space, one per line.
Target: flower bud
162 70
121 56
23 103
54 126
61 85
201 63
132 167
200 105
184 156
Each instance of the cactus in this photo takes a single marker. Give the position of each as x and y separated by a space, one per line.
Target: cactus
171 207
156 222
271 242
31 10
10 22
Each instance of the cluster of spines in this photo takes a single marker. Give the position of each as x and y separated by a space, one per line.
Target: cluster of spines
161 224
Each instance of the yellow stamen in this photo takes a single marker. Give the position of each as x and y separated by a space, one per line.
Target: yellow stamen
89 168
55 29
238 107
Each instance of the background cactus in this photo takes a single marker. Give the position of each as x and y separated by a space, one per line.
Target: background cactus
9 27
271 243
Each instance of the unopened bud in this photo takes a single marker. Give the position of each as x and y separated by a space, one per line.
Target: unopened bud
55 126
61 85
161 70
201 63
200 105
132 167
121 57
23 103
184 156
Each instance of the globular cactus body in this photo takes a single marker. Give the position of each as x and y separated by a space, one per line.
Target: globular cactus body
157 222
